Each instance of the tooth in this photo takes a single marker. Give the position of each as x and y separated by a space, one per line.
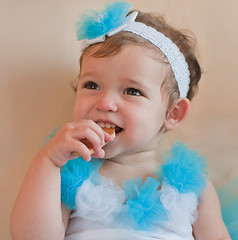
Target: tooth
106 125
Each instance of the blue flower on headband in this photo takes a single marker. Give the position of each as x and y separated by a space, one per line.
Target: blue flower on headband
96 25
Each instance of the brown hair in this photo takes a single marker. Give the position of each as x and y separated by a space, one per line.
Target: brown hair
112 45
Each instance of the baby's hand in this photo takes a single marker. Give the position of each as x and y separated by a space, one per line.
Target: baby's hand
71 139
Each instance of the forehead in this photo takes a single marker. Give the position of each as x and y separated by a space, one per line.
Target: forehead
132 61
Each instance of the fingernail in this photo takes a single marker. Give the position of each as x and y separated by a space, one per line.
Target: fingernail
87 159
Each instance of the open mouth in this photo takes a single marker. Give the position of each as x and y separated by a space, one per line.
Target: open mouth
111 127
118 130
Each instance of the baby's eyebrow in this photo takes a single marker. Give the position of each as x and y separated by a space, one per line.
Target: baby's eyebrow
138 83
86 74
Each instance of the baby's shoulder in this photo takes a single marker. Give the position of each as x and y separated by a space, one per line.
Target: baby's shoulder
184 168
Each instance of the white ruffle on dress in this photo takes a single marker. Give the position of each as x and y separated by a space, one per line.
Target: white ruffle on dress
164 209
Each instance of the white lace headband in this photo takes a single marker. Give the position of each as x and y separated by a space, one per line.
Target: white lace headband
99 22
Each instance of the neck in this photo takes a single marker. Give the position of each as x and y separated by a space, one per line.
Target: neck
134 159
122 168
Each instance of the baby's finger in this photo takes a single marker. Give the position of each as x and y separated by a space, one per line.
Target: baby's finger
109 134
81 150
109 137
88 138
99 154
93 140
84 126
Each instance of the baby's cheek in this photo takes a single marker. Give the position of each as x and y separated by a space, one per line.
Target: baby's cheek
79 112
136 136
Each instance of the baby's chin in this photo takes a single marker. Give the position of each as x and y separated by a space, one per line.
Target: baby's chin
110 152
114 154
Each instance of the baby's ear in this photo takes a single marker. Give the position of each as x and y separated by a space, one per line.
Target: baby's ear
177 113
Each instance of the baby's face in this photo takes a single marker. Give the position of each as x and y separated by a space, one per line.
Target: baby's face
124 90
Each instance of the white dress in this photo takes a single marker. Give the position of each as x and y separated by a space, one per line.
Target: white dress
102 210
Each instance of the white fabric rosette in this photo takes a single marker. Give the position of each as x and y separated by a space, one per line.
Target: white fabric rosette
181 206
99 203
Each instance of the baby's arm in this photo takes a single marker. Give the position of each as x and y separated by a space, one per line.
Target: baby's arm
37 213
209 224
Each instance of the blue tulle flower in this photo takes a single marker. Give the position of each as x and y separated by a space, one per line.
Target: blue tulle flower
73 174
144 207
228 196
184 170
49 136
96 24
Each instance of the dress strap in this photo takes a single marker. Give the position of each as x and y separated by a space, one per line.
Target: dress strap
184 169
73 174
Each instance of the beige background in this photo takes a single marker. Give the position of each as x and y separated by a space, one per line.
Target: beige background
39 58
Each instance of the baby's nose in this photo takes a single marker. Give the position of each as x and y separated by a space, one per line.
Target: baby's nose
107 102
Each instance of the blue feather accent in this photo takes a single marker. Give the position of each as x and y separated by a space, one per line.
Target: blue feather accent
144 207
51 135
96 24
184 170
228 196
73 174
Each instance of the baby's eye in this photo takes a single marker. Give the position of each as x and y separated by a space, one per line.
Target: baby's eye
133 92
91 85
